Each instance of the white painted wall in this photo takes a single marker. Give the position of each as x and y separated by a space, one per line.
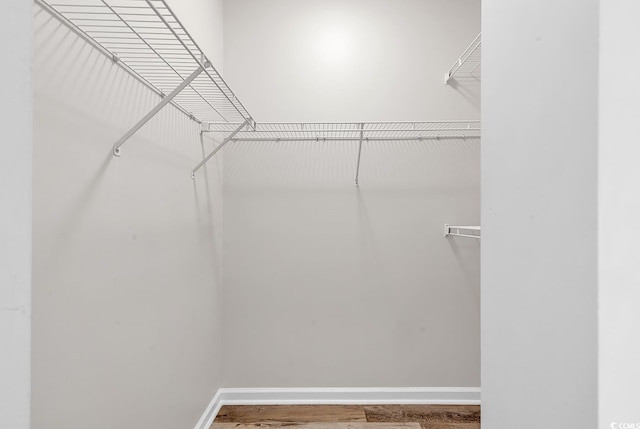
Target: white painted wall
326 284
16 106
618 211
127 251
336 60
203 19
539 204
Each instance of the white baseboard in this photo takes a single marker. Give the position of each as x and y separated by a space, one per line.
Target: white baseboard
210 412
338 396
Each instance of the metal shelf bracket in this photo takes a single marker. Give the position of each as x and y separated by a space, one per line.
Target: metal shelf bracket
163 102
359 153
461 231
220 146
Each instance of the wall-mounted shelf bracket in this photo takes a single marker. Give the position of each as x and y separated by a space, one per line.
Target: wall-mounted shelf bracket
163 102
220 146
461 231
359 152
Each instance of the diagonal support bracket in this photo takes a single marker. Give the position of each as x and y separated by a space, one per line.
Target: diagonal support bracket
166 100
220 146
359 153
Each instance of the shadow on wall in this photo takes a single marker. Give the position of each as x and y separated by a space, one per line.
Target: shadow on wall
94 101
208 224
467 254
469 88
99 91
83 103
369 253
365 270
396 164
126 251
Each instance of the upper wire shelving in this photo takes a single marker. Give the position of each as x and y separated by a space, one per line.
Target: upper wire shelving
468 64
146 38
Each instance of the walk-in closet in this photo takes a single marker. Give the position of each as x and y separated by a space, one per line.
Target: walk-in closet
412 214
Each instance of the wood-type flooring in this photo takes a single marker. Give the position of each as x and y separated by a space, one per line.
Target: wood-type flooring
348 417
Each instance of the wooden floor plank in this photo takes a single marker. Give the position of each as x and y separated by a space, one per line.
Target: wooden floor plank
440 425
290 413
321 425
271 416
427 415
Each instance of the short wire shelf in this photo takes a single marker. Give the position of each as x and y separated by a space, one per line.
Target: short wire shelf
468 64
462 231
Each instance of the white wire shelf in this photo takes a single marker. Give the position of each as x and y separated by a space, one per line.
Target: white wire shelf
468 64
461 231
341 131
350 131
146 38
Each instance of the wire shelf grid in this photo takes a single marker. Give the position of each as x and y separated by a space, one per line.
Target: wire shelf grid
147 38
350 131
